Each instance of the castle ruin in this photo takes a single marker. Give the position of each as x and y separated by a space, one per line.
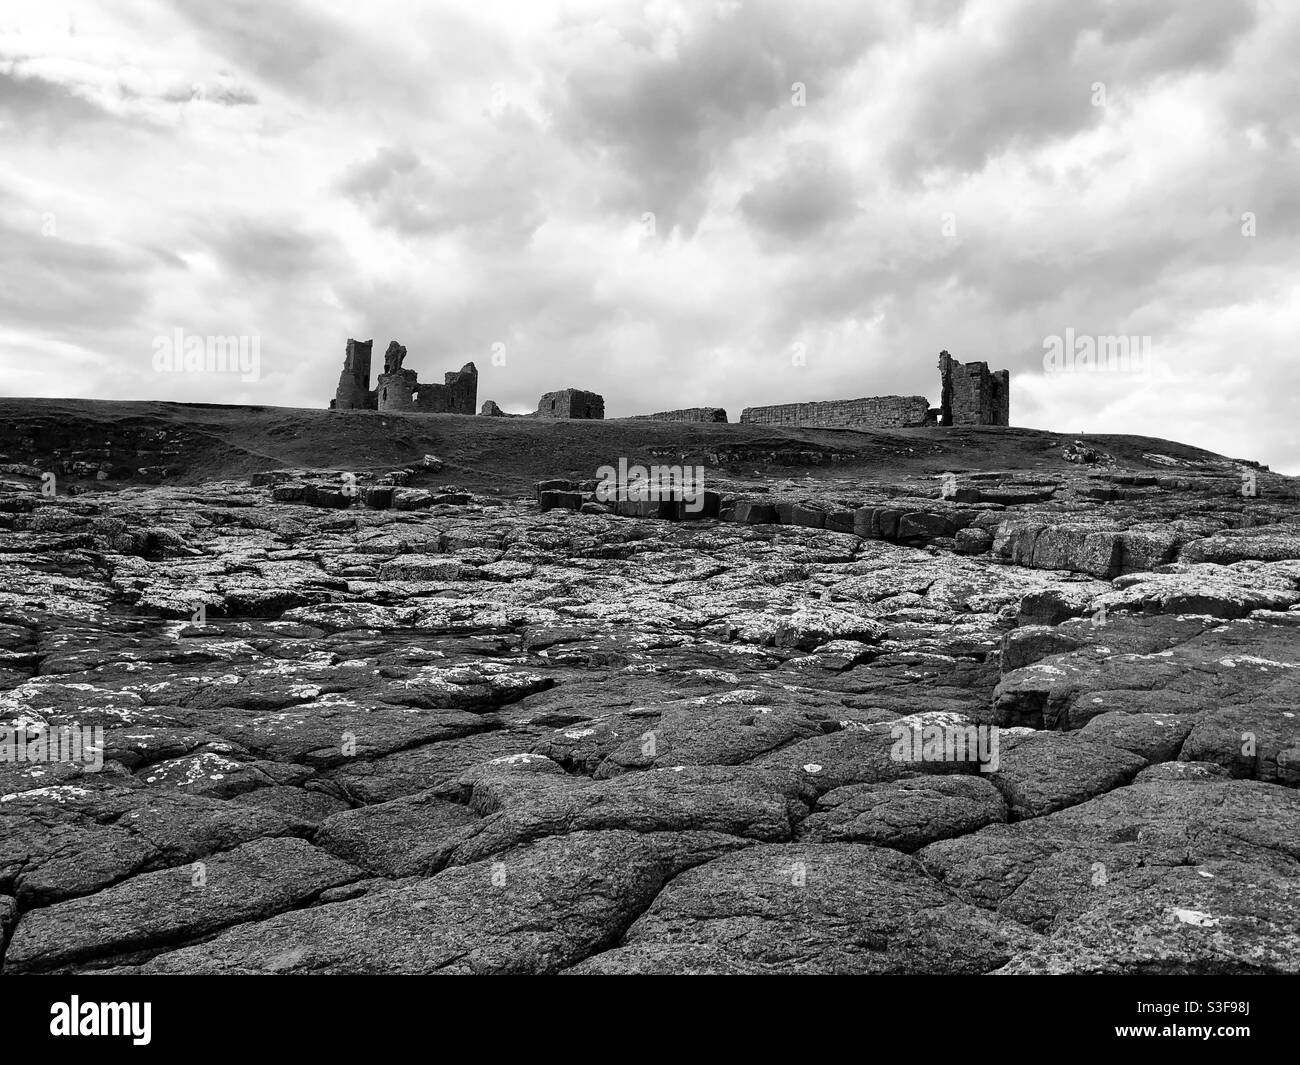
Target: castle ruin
400 389
969 394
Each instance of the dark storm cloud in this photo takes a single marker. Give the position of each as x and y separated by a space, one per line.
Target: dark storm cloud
810 192
669 116
285 43
1264 93
392 72
63 288
42 107
495 200
214 94
252 248
1169 35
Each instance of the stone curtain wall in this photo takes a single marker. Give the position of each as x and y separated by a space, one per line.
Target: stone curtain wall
689 414
875 412
458 394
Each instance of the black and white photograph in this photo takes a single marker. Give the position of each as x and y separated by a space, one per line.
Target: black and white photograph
650 488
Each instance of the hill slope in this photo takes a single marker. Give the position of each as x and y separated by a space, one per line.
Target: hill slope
200 442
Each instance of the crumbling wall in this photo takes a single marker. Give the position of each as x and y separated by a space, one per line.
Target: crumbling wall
394 357
353 391
571 403
461 390
873 412
458 394
688 414
971 394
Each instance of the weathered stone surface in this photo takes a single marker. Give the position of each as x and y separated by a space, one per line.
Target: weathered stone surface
1141 664
712 732
433 765
1051 606
1219 591
1029 644
973 541
1081 548
1222 917
734 802
411 836
69 840
1262 743
1155 737
865 755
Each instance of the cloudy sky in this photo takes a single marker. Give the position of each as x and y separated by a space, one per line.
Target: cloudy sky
674 204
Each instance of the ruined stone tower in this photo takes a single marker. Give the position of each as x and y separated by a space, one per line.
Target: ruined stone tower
971 394
353 392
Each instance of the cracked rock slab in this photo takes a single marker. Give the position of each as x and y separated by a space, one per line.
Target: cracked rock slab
1048 771
151 910
816 907
539 909
905 814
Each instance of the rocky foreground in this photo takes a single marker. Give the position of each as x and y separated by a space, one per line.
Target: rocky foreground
414 729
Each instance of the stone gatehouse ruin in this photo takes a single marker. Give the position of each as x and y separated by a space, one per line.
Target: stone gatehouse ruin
571 403
969 394
399 389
